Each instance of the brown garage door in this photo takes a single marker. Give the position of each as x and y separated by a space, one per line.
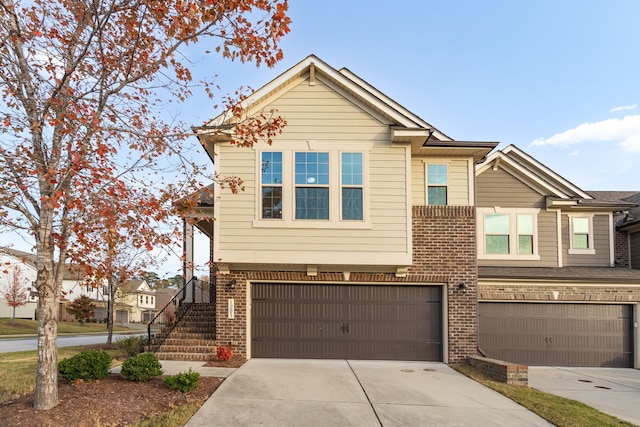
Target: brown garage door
340 322
557 334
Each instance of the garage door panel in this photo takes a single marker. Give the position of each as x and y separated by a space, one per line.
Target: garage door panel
557 334
347 321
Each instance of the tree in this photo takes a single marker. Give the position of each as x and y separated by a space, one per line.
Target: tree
82 308
16 290
84 89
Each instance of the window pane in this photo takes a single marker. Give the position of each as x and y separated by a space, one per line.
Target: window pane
581 225
437 174
496 224
312 168
525 245
272 168
525 224
271 202
497 244
437 196
351 168
352 203
312 203
580 241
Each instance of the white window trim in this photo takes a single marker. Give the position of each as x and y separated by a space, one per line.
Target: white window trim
591 250
426 180
513 233
335 220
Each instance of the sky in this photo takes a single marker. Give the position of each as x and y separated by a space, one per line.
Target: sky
558 79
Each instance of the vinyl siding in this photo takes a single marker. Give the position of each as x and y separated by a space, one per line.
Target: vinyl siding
322 115
458 180
601 244
635 249
499 188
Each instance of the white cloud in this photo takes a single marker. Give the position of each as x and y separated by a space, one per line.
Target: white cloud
624 107
625 132
574 153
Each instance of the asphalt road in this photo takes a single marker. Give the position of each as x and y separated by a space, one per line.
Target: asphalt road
9 345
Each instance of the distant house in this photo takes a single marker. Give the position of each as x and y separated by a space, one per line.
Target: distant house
137 300
26 263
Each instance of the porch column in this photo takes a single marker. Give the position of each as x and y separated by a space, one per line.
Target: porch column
188 251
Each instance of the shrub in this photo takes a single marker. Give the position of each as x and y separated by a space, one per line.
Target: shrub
142 367
86 365
224 353
184 381
132 344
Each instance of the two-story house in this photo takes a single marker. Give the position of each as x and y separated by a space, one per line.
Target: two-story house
355 236
555 287
18 267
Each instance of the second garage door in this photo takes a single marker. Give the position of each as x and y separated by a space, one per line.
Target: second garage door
557 334
346 321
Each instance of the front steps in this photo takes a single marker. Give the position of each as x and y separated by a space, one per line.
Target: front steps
193 338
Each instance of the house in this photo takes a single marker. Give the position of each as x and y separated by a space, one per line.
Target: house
135 302
554 283
21 266
355 235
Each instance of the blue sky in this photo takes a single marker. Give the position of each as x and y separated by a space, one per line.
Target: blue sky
559 79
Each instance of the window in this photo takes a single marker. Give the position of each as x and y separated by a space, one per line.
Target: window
436 185
581 234
105 290
507 233
351 186
312 185
272 185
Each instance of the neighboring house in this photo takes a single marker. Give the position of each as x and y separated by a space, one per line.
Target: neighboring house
135 302
553 276
355 234
26 262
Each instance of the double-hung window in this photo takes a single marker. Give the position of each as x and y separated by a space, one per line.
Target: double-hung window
271 165
352 186
581 234
312 185
507 233
437 184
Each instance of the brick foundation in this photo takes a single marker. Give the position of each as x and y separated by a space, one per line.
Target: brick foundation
498 370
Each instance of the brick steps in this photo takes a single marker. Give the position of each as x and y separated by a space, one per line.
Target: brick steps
193 338
186 356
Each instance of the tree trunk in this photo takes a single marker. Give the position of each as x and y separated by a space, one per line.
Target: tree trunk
46 392
110 310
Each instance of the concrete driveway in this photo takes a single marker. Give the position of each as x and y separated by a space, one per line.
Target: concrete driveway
615 391
279 392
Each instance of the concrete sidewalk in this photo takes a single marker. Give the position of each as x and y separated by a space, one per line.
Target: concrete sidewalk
279 392
615 391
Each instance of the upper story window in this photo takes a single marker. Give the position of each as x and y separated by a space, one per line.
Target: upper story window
271 185
437 184
581 235
507 233
312 185
352 186
320 189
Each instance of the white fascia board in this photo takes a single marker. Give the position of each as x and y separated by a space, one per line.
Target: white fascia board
536 164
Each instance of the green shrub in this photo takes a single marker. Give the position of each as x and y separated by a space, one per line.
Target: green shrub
86 366
183 381
132 345
142 367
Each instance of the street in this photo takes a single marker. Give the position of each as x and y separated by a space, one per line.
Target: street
10 345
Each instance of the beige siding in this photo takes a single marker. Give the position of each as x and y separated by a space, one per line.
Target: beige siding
499 188
635 249
319 114
601 244
458 180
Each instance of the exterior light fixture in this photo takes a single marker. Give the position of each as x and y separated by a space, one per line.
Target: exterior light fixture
231 284
462 287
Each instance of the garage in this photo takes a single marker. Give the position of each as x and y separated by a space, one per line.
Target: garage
333 321
557 334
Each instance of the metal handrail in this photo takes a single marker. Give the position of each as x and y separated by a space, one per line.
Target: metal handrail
193 292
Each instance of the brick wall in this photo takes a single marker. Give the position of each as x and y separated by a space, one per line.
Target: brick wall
444 248
444 244
621 247
498 370
520 292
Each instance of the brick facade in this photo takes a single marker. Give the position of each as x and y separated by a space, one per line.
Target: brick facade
621 247
572 293
444 248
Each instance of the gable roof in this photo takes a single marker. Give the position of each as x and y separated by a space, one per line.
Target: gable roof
532 172
405 126
26 257
626 199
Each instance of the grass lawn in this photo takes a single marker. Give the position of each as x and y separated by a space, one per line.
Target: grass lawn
555 409
30 327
